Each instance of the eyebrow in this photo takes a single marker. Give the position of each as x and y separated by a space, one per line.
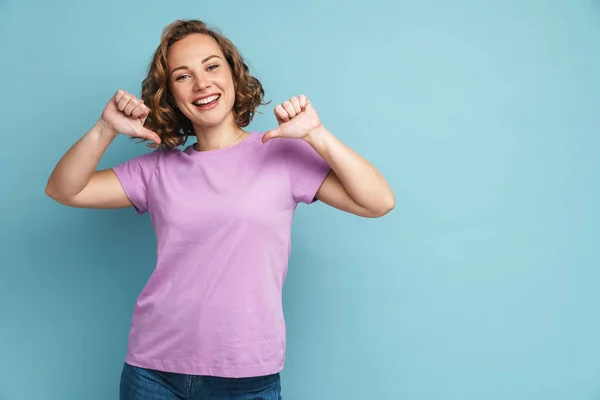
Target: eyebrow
186 67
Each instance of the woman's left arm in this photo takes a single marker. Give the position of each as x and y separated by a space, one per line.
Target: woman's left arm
353 185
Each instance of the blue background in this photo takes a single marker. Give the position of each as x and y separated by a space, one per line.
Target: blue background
483 115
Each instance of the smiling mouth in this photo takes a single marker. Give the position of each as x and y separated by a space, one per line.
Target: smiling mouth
207 101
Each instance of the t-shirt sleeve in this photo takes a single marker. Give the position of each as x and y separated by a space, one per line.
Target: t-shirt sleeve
307 170
135 176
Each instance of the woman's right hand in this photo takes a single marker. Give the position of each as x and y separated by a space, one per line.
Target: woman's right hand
127 114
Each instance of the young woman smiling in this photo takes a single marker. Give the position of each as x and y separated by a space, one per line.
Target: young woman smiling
209 322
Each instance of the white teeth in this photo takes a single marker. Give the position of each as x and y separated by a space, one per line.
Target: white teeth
206 100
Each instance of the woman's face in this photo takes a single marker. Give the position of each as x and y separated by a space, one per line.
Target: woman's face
201 81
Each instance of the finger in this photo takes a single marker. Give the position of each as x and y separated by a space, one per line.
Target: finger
281 114
120 93
148 134
303 101
141 111
145 113
287 106
273 133
133 104
124 101
296 104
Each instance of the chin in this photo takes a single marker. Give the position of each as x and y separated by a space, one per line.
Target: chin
213 122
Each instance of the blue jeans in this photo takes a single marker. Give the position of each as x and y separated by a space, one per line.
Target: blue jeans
147 384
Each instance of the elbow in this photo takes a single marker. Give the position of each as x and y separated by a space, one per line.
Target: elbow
54 195
389 206
49 192
386 204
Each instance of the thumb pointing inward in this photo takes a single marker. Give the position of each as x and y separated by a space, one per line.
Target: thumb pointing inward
151 135
273 133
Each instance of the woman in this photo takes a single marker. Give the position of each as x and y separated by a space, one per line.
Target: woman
209 322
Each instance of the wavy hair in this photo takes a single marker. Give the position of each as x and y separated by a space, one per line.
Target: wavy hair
168 121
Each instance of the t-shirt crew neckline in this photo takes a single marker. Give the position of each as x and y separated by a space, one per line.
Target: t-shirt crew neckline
190 151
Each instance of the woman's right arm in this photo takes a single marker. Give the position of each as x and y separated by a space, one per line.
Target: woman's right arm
75 182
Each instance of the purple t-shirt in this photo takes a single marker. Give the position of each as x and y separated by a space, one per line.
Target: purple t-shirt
223 220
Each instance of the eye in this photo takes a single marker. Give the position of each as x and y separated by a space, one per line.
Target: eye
180 77
214 66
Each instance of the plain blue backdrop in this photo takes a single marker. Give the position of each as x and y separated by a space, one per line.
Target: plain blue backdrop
484 116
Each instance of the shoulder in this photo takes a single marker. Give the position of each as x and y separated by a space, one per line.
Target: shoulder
148 163
287 147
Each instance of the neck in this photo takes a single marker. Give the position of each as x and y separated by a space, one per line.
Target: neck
217 137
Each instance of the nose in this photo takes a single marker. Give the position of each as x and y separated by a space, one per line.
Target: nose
201 83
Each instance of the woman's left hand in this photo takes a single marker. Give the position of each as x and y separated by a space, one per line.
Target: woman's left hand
296 119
